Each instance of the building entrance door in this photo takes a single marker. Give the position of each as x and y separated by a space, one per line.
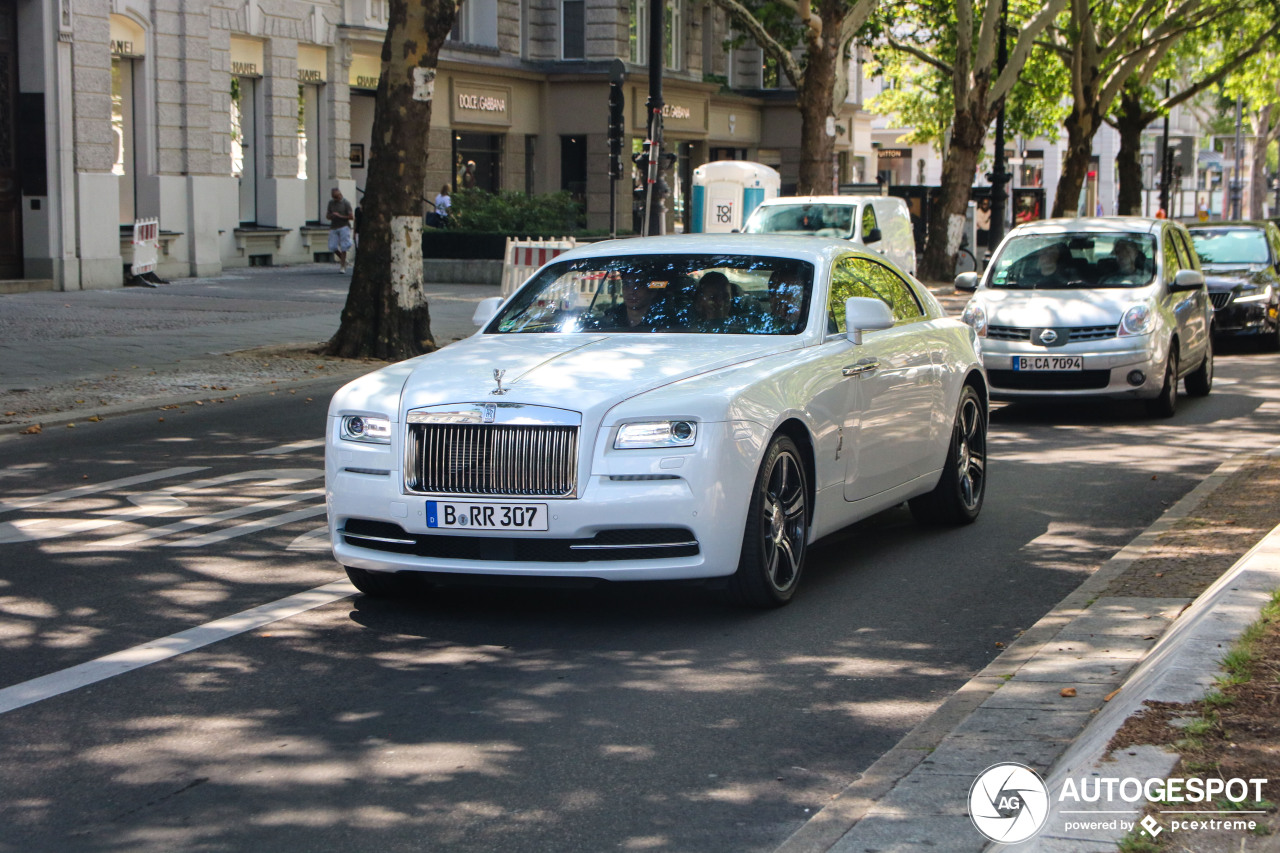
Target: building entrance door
10 176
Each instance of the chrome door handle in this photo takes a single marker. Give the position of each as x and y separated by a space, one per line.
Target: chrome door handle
867 365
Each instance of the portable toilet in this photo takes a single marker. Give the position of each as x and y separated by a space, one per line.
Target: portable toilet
726 191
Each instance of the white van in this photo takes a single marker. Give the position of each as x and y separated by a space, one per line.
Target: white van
880 223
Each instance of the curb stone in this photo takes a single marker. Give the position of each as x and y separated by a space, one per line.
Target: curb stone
871 813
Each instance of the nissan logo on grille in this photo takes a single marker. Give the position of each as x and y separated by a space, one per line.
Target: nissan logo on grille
1048 336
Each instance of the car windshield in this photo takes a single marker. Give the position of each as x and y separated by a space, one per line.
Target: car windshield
1075 261
698 294
820 220
1231 246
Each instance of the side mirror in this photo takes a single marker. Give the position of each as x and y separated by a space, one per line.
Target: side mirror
485 310
864 314
873 236
967 282
1187 280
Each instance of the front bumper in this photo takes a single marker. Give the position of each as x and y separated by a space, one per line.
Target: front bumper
633 497
1245 319
1108 366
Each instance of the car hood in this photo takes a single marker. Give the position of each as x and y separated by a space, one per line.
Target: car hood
1230 279
1057 308
585 373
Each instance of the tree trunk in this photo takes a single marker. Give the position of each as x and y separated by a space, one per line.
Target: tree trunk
814 98
1081 128
1131 119
947 213
386 315
1258 164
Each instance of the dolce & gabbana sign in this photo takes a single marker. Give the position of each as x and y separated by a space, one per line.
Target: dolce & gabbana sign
474 103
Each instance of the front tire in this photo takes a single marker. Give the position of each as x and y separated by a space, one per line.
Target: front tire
957 499
776 532
1200 382
1165 405
377 584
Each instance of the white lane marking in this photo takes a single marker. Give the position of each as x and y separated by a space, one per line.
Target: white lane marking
313 540
147 504
306 444
81 675
206 520
81 491
248 527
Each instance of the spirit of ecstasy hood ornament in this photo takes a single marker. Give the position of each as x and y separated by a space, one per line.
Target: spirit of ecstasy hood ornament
497 377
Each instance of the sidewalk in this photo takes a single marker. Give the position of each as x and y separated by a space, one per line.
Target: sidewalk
64 355
1134 631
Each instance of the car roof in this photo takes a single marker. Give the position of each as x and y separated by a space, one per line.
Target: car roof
816 250
1095 224
1238 225
817 199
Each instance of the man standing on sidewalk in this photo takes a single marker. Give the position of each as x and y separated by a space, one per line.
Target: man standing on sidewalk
340 218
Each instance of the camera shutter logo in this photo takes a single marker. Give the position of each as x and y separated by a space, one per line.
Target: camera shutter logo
1008 803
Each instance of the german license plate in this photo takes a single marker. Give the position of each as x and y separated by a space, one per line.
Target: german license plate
486 516
1033 363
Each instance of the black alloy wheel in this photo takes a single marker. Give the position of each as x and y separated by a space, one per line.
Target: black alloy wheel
777 530
958 497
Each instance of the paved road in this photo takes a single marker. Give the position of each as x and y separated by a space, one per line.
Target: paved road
640 718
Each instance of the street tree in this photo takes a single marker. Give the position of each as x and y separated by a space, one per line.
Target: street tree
1257 82
1196 65
961 39
1105 47
386 314
820 74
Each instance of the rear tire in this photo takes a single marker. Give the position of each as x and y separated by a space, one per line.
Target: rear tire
776 532
957 499
1165 405
1200 383
377 584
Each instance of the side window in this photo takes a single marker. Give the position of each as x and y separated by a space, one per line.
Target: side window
1172 263
868 221
865 277
1188 250
1273 237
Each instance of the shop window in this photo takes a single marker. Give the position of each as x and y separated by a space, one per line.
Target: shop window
477 159
573 171
124 131
244 148
573 30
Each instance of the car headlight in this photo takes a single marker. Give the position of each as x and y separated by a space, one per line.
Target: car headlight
976 316
1260 296
367 429
656 434
1138 320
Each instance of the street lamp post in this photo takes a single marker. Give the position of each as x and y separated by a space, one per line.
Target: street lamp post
1165 160
653 218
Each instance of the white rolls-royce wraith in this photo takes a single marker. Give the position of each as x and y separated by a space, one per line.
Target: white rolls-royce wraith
664 408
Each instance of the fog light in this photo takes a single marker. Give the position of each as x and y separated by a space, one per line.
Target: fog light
1136 377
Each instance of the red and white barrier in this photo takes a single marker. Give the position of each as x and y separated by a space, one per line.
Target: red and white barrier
524 257
146 246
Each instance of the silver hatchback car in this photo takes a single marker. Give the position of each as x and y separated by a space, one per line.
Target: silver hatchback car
1110 307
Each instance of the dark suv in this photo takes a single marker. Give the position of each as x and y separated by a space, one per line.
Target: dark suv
1241 263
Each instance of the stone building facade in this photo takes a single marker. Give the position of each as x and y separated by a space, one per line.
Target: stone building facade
230 120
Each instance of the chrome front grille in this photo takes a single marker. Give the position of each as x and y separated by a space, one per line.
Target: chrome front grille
1221 298
492 459
1079 333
